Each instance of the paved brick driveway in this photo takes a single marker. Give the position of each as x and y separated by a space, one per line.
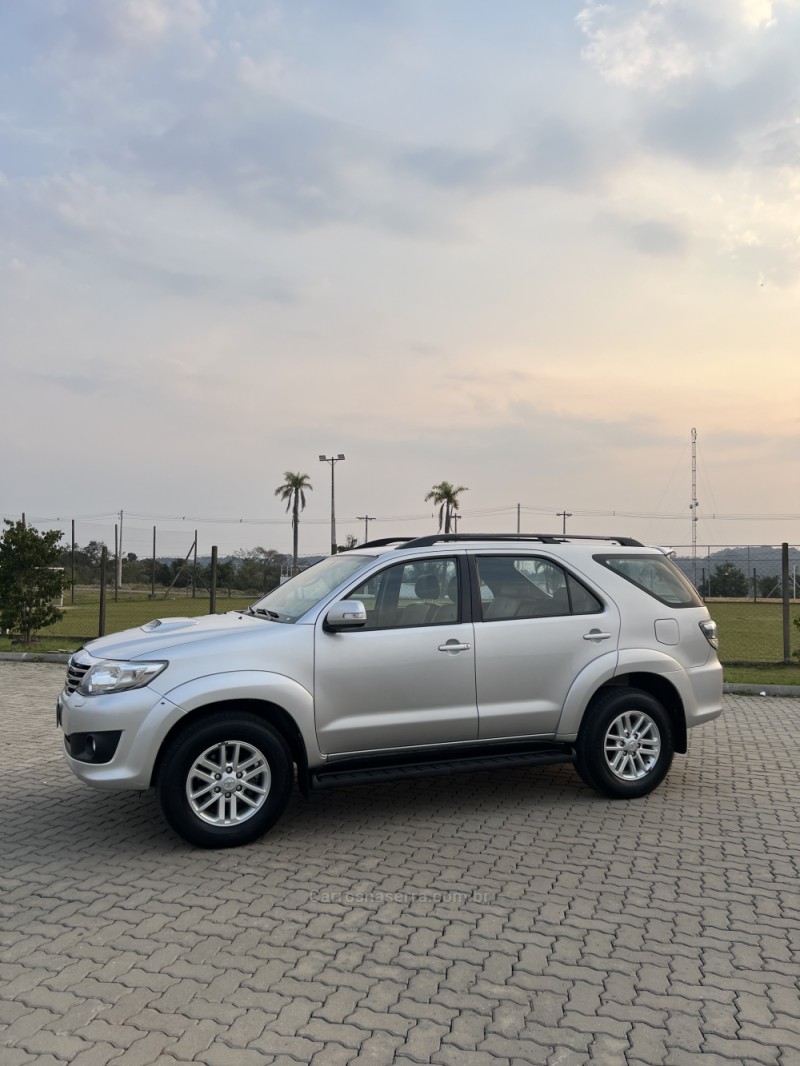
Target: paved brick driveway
480 920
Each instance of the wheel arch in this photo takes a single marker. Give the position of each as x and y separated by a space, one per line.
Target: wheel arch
660 688
271 713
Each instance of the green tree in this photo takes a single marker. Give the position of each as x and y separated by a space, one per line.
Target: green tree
727 580
30 579
258 569
445 497
293 492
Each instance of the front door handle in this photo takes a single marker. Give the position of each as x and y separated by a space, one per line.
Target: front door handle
454 646
596 636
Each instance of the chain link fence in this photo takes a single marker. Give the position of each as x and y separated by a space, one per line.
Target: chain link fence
752 594
752 591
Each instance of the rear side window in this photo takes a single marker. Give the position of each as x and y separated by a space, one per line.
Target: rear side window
656 575
530 587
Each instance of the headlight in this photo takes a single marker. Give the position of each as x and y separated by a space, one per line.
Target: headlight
111 676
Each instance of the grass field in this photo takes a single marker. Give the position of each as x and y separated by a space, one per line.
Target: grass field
751 634
80 622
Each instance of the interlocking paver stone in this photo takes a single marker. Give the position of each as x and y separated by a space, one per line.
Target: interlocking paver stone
483 921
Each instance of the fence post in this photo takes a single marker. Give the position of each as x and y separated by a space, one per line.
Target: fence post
103 564
755 586
212 594
787 629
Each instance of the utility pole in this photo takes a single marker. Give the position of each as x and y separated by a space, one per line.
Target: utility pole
366 519
518 518
564 515
119 553
454 517
333 460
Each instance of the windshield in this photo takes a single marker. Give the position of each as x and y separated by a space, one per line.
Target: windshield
299 594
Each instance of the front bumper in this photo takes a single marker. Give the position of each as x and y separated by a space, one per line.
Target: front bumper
116 737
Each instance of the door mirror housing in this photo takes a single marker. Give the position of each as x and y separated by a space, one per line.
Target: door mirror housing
346 614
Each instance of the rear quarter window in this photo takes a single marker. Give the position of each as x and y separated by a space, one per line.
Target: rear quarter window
656 575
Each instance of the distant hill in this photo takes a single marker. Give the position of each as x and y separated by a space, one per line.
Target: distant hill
764 559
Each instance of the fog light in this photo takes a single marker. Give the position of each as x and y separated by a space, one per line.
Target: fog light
93 747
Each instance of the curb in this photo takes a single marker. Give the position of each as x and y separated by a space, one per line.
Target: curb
35 657
761 690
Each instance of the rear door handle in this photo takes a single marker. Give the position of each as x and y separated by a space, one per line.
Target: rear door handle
596 635
454 645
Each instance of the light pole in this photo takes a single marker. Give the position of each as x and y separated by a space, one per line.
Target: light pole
333 460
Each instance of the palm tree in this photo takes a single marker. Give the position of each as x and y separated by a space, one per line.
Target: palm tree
293 492
445 496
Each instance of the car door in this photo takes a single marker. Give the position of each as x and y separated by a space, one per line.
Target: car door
536 629
407 678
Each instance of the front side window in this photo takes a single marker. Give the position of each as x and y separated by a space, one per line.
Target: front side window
529 587
419 593
655 574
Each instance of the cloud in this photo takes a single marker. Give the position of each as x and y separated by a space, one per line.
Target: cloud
712 92
101 29
117 236
654 237
652 44
711 124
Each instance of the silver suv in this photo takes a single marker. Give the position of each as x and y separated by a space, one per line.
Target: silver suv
433 655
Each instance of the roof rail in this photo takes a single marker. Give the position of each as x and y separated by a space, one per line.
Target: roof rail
541 538
381 542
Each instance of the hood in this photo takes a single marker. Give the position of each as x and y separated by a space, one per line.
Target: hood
157 638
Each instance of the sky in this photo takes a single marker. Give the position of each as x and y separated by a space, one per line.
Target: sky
522 247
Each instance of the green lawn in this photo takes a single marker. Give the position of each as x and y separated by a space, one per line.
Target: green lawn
80 622
763 675
752 632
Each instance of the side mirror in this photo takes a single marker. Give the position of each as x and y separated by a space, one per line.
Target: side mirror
346 614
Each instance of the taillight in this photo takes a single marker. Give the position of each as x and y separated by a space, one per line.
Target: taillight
710 633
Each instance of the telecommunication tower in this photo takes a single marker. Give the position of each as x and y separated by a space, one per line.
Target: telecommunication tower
694 505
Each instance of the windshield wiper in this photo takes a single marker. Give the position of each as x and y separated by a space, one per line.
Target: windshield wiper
262 612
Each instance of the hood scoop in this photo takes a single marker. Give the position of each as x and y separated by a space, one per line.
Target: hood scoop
164 625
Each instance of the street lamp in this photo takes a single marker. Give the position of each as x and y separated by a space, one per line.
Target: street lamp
333 460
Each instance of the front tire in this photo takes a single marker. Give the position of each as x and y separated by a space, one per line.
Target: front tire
226 781
625 744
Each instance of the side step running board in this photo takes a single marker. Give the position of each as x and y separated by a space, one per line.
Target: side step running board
371 774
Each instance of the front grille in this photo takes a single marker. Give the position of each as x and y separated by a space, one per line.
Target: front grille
75 672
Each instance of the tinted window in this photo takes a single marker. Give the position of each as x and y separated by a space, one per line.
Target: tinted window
529 587
419 593
656 575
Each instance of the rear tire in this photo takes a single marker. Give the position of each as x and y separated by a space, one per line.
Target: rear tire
226 781
625 744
